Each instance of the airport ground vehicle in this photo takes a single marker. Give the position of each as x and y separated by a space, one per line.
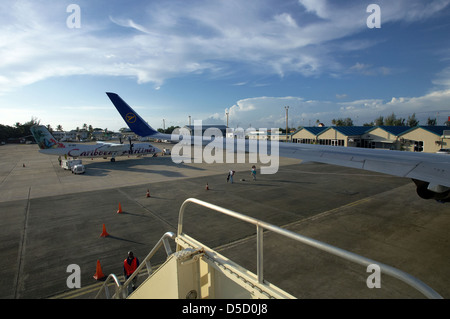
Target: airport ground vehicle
78 169
70 163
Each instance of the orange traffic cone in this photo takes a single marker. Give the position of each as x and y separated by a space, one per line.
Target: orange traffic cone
98 272
207 187
104 233
120 209
148 193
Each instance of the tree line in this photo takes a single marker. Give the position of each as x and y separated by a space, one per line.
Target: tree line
22 131
391 120
18 130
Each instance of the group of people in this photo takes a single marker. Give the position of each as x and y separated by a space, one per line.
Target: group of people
231 174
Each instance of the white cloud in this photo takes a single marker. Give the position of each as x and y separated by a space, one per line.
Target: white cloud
129 23
318 7
169 39
443 78
268 112
166 39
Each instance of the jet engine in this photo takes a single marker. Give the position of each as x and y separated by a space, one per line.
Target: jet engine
437 192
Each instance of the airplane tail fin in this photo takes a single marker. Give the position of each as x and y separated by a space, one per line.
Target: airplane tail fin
44 138
133 120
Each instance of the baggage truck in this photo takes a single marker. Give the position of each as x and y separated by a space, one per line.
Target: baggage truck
70 163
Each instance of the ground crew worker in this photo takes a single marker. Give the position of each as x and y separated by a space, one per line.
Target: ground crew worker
130 265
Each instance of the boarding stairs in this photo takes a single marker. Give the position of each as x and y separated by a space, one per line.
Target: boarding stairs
195 271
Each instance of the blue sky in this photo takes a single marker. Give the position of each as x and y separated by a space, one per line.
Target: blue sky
174 59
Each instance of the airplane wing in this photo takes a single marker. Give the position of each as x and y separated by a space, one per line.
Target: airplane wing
430 167
430 172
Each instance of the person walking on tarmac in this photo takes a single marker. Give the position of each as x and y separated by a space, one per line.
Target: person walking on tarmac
253 172
230 176
130 265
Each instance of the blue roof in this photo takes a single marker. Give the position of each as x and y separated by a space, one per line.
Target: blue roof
438 130
315 129
396 130
360 130
352 130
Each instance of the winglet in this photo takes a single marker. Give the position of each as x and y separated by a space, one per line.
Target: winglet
133 120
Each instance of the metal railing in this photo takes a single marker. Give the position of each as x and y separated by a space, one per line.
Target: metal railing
121 290
118 287
260 226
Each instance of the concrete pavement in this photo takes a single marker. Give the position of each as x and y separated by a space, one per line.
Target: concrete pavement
51 219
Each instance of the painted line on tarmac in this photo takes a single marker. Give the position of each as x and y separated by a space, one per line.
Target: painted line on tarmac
146 209
21 252
315 217
95 287
328 212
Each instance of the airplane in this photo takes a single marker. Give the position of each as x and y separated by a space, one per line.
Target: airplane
49 145
429 172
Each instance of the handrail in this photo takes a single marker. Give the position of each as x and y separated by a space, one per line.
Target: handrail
260 226
146 261
105 287
121 290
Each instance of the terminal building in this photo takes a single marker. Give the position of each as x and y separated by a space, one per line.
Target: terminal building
201 129
428 139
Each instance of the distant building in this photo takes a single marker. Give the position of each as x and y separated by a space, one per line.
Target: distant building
415 139
195 131
342 135
307 135
385 137
427 139
59 135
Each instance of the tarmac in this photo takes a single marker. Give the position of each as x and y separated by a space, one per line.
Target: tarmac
51 219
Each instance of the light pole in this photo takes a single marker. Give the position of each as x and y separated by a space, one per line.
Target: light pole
287 108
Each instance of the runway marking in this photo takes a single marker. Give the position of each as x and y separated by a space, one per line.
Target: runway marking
318 216
21 252
367 174
75 293
311 218
96 286
146 209
78 292
329 212
9 173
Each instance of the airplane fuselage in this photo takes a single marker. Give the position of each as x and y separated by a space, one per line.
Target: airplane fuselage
101 150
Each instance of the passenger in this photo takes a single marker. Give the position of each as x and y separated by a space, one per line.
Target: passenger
253 172
231 174
130 265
